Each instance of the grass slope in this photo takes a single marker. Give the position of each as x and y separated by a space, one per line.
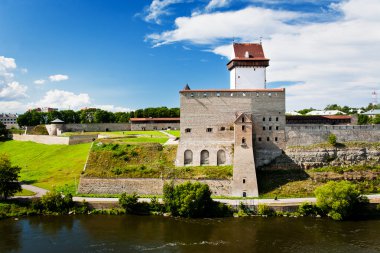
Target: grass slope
176 133
47 166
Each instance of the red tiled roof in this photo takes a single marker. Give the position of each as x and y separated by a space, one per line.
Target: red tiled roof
255 51
153 119
337 116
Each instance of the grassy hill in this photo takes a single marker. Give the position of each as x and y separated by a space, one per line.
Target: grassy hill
48 166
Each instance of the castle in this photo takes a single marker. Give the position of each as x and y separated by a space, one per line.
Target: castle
243 126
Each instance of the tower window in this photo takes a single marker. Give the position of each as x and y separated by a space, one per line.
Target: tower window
264 119
267 138
188 130
276 127
275 139
243 128
222 128
244 181
270 128
270 119
209 130
242 119
243 141
276 118
263 128
259 139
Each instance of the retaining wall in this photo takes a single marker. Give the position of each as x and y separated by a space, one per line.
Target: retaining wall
97 127
143 186
307 135
50 140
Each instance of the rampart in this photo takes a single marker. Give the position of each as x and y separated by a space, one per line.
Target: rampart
148 186
97 127
51 140
307 134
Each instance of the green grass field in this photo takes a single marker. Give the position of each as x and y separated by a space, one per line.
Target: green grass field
48 166
176 133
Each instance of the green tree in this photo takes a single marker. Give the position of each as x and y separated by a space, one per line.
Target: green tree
9 175
129 202
339 200
332 139
304 111
376 119
188 200
363 119
3 130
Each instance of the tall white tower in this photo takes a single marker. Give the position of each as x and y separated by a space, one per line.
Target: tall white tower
248 66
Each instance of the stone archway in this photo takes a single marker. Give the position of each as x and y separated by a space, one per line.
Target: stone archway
188 157
221 157
204 157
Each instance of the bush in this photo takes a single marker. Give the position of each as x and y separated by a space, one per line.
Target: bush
263 209
308 209
129 202
332 139
339 200
191 200
54 202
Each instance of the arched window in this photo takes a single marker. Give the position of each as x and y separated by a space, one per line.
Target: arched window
204 157
188 157
221 157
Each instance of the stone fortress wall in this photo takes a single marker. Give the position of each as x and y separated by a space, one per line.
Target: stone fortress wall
207 124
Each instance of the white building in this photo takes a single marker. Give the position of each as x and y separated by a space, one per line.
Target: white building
372 113
9 120
325 113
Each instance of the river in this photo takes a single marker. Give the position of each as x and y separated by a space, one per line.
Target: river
106 233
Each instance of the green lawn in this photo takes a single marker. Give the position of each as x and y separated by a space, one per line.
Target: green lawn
48 166
176 133
25 192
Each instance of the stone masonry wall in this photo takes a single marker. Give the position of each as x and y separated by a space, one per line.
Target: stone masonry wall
308 135
143 185
154 126
51 140
97 127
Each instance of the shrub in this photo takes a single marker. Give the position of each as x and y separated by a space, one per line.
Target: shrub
263 209
54 202
332 139
308 209
131 204
191 200
339 200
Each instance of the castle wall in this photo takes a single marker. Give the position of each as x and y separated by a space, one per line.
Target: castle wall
217 110
308 135
51 140
149 186
97 127
154 126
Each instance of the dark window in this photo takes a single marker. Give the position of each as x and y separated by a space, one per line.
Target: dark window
243 141
270 119
259 138
267 138
243 128
209 130
187 130
242 119
264 119
243 181
231 128
263 128
276 127
275 139
222 128
276 118
270 128
244 194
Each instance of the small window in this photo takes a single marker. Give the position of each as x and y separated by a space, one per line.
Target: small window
209 130
275 139
231 128
242 119
270 119
267 138
276 127
222 128
243 141
264 119
270 128
244 194
188 130
243 128
269 94
244 181
263 128
259 139
276 118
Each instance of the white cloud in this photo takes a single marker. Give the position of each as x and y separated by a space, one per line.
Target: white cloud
12 90
7 65
58 78
12 106
213 4
331 62
39 82
158 8
113 108
63 100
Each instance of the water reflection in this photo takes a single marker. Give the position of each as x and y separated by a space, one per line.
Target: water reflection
160 234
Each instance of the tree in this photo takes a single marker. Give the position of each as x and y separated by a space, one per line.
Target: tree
332 139
339 200
304 111
188 200
9 175
54 202
363 119
3 130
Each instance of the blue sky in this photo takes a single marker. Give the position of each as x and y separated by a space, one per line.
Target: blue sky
121 55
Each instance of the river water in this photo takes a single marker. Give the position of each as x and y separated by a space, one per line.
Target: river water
105 233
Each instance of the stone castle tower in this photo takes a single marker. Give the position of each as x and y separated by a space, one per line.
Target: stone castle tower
243 126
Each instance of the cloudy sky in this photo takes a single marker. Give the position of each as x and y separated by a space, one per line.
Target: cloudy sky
121 55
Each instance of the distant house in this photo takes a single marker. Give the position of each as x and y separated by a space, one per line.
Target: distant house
138 124
9 120
325 112
45 109
372 113
294 113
